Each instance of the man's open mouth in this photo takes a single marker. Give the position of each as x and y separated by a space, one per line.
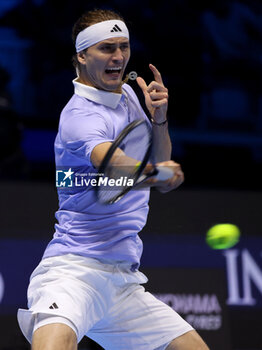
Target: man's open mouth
113 70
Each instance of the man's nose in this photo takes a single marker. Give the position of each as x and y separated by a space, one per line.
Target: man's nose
118 55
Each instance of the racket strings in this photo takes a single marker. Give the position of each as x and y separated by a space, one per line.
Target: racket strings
125 165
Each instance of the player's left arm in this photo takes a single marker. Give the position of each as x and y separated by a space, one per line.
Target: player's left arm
156 99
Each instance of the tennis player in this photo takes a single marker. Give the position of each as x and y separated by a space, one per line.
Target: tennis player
88 281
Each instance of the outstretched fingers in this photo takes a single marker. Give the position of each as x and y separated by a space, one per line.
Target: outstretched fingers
157 74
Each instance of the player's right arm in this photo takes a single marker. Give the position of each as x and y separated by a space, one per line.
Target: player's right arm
118 158
76 136
99 153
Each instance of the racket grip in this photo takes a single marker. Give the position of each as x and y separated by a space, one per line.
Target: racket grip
164 173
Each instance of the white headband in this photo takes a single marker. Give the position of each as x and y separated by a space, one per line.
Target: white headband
100 31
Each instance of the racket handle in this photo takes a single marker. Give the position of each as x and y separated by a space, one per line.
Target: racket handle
164 173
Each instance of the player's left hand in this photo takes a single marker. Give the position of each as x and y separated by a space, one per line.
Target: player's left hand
156 95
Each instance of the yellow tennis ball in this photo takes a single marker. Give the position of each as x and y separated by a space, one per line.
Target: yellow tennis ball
222 236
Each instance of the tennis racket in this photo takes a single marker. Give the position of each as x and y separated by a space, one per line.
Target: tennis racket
123 167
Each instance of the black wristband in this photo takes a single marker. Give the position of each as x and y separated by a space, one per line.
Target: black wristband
158 124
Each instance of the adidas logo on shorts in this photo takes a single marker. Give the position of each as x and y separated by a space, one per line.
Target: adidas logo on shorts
116 28
53 306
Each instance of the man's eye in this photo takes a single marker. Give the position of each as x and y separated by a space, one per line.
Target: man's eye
124 47
107 48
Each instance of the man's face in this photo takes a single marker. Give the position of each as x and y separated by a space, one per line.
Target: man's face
103 64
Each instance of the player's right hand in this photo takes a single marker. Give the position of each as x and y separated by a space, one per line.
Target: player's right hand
173 182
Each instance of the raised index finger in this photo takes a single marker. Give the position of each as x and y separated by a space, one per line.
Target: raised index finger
156 73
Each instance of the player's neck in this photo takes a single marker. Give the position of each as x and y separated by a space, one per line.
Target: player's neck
82 80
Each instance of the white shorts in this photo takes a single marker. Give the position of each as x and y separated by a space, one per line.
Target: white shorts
102 301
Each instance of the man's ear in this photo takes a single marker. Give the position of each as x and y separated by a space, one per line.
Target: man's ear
81 57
